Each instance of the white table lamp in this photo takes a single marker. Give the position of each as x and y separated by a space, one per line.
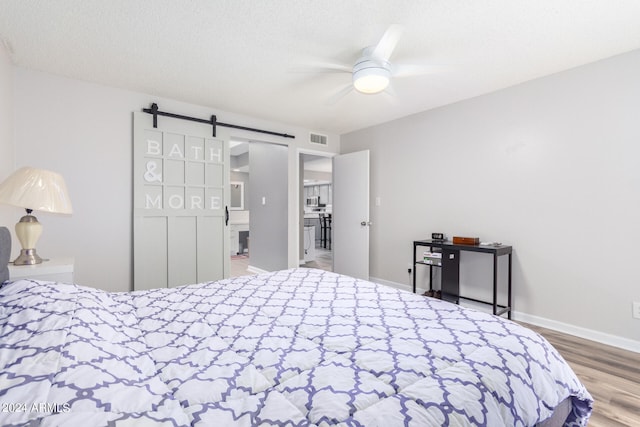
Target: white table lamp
39 190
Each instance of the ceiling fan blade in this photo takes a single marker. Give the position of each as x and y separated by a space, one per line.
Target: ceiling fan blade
334 98
408 70
322 67
388 42
391 90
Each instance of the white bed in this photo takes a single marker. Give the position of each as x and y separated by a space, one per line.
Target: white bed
299 347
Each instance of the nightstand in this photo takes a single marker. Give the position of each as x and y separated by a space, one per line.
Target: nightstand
55 269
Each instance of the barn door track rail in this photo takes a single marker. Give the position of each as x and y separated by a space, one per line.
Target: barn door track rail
213 121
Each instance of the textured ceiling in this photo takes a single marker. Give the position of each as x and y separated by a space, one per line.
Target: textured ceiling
246 56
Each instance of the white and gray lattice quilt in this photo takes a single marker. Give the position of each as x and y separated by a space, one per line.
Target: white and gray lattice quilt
298 347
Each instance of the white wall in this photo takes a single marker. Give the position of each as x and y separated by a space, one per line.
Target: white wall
268 180
8 216
84 131
550 167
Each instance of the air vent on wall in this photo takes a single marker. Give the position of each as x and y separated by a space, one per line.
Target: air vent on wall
316 138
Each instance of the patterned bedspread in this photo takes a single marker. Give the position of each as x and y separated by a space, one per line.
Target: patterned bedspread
299 347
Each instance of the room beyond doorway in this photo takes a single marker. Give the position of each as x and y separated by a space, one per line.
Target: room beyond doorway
316 200
256 223
239 207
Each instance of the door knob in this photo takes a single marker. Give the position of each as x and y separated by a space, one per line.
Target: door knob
365 223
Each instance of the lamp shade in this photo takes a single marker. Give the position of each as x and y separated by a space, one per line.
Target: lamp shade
36 189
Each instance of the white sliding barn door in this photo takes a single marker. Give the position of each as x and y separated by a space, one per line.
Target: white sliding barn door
180 196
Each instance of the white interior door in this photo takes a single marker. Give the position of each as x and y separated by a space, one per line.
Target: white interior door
180 195
350 221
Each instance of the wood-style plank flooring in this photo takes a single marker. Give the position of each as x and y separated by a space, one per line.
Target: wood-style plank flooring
611 375
239 266
323 261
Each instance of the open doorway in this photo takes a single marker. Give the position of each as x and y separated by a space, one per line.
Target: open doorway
258 222
239 207
316 198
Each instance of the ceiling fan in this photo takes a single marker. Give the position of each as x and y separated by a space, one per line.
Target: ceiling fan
373 70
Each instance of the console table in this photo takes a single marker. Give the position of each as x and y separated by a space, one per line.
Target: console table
450 265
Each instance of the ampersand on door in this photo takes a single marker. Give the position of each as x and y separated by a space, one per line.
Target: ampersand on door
150 175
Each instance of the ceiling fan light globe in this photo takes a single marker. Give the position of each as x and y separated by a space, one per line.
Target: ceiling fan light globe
371 80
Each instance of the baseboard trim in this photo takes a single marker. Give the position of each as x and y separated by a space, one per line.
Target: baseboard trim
396 285
578 331
565 328
256 270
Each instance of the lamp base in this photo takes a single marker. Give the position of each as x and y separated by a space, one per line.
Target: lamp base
27 257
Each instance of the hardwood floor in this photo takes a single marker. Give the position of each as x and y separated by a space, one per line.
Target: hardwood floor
611 375
323 261
239 266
